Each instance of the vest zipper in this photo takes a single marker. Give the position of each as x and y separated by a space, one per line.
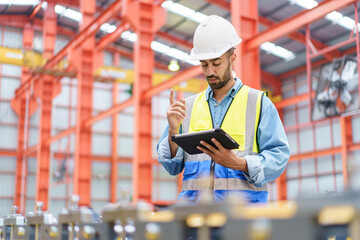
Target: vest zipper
212 174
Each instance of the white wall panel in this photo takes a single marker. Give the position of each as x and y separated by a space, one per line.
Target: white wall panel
102 99
101 144
306 140
324 164
292 138
8 87
60 43
158 126
326 184
5 205
7 115
33 136
100 168
124 170
31 185
124 185
308 187
164 190
336 133
34 119
292 169
13 38
289 116
13 71
30 205
8 139
58 190
355 121
56 206
8 163
64 97
339 183
303 114
307 167
338 162
100 188
125 146
322 136
31 166
125 123
7 184
60 118
272 187
292 187
103 125
108 59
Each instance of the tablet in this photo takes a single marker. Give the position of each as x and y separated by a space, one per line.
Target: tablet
189 141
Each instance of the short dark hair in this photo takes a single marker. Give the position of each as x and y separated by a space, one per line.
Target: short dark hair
230 52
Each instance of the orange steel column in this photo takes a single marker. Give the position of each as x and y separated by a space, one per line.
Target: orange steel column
245 18
146 17
346 141
20 187
114 140
45 89
83 60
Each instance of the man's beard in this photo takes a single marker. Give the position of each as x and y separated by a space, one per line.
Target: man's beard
222 82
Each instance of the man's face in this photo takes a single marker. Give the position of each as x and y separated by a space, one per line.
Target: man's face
217 70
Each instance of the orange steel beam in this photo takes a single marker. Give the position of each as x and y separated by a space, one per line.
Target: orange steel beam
111 37
45 90
346 139
36 10
83 59
146 18
174 39
114 139
293 23
21 168
326 152
245 18
291 101
88 30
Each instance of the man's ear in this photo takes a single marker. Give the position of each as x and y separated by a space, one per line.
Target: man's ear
232 58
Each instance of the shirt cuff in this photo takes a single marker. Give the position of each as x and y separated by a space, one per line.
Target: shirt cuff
165 153
255 172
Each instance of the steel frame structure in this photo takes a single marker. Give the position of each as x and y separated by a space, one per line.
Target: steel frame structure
83 49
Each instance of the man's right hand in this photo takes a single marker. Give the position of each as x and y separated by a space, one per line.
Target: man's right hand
176 113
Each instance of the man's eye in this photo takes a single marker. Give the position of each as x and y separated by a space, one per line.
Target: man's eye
216 64
203 65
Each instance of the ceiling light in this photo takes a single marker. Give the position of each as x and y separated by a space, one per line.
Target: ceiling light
307 4
174 66
20 2
109 28
72 14
281 52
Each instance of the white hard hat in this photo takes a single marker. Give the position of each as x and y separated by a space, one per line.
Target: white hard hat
213 37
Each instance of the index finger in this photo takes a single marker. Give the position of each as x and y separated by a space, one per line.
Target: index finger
171 98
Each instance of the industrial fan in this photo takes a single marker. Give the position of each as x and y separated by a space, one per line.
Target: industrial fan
337 88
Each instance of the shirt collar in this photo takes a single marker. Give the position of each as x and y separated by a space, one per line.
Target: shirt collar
232 92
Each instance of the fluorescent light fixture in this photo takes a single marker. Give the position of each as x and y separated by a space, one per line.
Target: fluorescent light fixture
198 17
20 2
109 28
44 5
59 9
127 35
159 47
72 14
174 66
334 16
307 4
281 52
184 11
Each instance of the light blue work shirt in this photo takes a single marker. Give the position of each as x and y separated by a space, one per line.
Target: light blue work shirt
274 150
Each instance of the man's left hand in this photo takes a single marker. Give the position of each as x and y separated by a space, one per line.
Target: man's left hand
223 156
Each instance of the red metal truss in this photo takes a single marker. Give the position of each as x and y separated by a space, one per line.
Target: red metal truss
244 16
83 58
293 23
36 10
23 130
146 18
111 37
46 89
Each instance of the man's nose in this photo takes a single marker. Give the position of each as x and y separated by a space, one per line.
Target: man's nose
210 70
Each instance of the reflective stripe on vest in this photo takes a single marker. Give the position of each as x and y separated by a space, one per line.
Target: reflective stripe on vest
240 122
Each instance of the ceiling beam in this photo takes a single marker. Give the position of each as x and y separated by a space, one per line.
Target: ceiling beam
293 23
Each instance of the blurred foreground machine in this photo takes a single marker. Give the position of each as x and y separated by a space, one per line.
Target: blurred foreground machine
331 217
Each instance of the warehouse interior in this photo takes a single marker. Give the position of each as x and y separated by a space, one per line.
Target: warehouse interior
85 84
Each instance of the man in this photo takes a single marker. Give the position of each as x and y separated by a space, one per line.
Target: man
246 114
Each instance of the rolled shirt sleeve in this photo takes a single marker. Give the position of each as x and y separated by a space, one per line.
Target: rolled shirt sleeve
273 146
174 165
